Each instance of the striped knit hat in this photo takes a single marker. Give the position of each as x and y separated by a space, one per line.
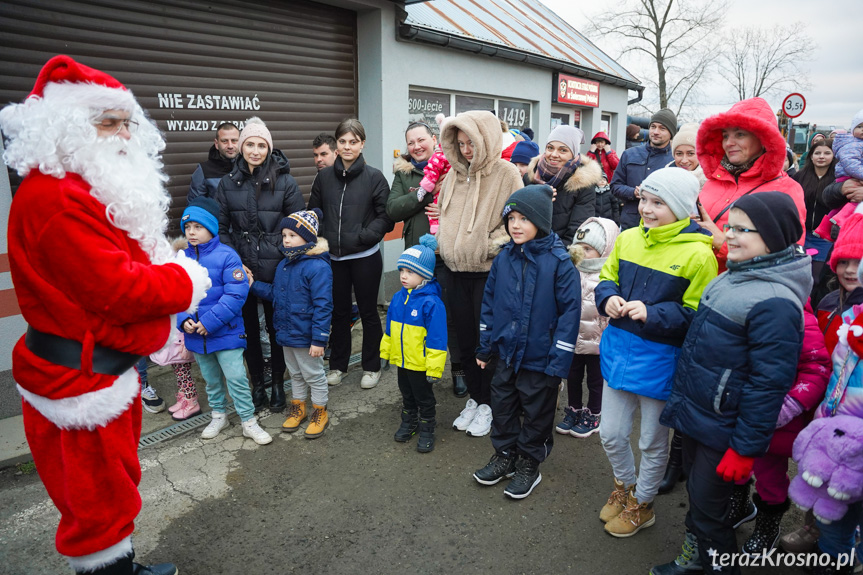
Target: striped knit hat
304 223
420 258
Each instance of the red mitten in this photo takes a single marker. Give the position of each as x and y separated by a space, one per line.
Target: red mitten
734 466
855 336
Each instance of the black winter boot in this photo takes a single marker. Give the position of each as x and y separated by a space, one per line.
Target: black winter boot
766 533
674 469
527 476
459 384
425 443
259 392
742 508
122 566
410 422
277 397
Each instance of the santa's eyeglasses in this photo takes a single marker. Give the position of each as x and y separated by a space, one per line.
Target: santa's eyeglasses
114 126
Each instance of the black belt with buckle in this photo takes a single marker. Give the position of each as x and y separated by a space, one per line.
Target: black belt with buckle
67 352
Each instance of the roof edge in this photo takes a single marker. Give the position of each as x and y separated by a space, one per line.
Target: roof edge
419 34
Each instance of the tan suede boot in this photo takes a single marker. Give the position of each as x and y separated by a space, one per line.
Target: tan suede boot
632 519
296 415
616 502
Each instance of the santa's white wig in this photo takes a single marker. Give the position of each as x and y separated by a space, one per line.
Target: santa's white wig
55 134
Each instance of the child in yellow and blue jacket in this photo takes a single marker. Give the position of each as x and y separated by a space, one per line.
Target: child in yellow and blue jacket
415 341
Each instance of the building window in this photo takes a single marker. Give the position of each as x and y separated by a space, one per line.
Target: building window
515 114
424 106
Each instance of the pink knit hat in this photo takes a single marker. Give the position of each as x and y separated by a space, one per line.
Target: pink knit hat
256 127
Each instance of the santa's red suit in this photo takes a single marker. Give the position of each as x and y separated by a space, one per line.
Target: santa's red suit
80 276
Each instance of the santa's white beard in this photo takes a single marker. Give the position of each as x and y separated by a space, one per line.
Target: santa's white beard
130 183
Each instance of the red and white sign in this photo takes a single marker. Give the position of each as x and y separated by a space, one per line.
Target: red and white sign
575 90
793 105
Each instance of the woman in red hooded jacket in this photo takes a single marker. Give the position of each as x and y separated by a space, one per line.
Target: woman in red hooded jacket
741 151
600 150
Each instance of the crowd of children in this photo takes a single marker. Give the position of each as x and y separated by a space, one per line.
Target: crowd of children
737 364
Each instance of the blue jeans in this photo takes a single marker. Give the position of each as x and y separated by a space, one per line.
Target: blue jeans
838 537
230 363
141 366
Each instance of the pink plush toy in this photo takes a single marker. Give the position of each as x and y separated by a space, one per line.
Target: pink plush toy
438 166
829 456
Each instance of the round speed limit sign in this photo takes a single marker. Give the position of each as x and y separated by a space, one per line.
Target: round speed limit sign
793 105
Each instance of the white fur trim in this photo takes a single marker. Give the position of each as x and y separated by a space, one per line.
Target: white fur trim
200 279
89 95
859 208
102 558
88 410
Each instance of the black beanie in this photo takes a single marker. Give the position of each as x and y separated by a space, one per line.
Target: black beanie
534 202
775 217
667 118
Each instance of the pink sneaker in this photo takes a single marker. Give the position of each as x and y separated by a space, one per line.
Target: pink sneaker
190 408
181 399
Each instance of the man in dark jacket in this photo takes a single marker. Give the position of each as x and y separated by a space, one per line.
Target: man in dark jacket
639 162
220 160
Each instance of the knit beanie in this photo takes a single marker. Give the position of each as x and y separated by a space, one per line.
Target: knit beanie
527 133
204 211
667 118
524 152
775 217
593 234
571 136
534 203
256 127
304 223
420 258
685 137
849 244
677 187
856 120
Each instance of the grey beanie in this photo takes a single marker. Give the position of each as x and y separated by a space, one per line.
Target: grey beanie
569 135
677 187
667 118
593 234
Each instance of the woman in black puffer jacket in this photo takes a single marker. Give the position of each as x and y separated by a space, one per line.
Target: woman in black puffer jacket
353 197
253 199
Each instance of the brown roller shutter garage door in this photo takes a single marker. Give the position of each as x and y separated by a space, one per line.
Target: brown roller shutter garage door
193 65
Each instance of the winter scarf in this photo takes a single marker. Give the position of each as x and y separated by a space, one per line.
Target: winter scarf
546 174
736 170
419 165
293 253
768 260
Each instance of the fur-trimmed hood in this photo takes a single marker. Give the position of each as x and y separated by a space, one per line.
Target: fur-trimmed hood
322 247
403 164
753 115
588 173
483 129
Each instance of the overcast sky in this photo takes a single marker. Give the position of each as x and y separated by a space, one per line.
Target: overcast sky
835 72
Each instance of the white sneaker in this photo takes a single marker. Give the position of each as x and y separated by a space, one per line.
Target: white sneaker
151 401
481 424
219 422
335 376
466 416
370 379
252 430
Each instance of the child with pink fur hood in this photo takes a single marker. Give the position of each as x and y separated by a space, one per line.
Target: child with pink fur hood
436 168
591 246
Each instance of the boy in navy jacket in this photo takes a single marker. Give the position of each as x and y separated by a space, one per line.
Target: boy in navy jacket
215 333
302 296
530 315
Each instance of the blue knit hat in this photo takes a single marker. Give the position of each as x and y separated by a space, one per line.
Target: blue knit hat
204 211
420 258
533 202
524 152
304 223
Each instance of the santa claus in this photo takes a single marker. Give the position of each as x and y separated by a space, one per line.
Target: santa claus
97 283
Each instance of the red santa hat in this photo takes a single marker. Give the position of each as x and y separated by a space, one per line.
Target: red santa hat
65 80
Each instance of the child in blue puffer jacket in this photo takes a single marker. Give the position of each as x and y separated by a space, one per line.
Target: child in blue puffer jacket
215 333
531 308
302 296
